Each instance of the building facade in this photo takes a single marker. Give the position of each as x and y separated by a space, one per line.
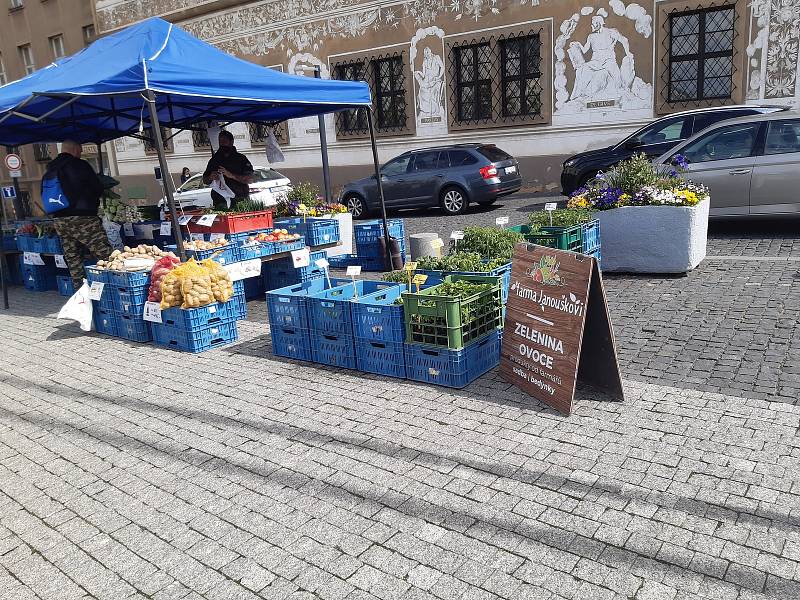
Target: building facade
542 79
33 34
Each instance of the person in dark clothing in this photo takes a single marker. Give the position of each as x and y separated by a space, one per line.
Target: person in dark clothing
78 225
233 166
185 175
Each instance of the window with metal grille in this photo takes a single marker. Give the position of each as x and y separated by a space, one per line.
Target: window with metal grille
519 75
258 133
149 141
200 139
41 152
701 54
351 122
474 82
390 94
16 4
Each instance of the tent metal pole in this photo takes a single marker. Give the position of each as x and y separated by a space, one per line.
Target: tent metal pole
323 142
165 177
389 263
99 158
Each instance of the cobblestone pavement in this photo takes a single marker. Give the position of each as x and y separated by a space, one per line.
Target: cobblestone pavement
129 471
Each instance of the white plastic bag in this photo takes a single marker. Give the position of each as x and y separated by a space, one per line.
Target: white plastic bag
79 308
219 186
273 150
112 233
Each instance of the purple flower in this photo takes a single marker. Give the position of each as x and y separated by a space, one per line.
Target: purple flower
679 160
673 173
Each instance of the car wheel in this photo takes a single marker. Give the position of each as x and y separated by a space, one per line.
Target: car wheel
356 205
487 202
453 201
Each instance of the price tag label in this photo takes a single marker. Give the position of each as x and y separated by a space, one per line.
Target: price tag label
60 262
457 235
322 263
207 220
184 219
550 206
244 270
152 312
96 290
419 279
198 237
410 266
501 221
32 258
217 236
128 229
301 258
437 243
327 216
353 270
166 228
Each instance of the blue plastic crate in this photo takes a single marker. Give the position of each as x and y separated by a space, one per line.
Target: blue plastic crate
366 232
281 247
436 277
129 301
277 280
202 316
127 279
282 272
238 287
223 255
254 288
38 244
597 254
329 310
590 236
317 231
133 328
10 242
25 242
52 245
253 250
242 237
333 350
291 342
377 318
381 358
287 306
238 306
194 340
65 287
39 278
453 368
342 261
94 274
105 320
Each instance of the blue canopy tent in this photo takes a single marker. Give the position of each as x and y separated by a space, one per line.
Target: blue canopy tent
152 75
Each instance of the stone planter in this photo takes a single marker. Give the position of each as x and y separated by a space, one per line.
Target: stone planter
653 239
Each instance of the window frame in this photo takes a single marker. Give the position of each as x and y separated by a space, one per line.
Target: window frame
280 130
52 43
755 148
88 39
497 40
664 10
522 77
25 52
41 152
150 148
769 125
16 5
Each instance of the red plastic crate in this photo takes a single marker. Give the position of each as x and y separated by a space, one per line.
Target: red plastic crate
234 223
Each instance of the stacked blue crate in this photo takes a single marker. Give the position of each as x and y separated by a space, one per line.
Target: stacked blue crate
120 310
282 272
370 252
198 329
453 368
39 278
379 332
317 231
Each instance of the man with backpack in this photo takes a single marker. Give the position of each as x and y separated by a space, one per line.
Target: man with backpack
71 192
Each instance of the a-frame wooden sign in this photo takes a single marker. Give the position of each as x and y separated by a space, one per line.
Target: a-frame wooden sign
557 329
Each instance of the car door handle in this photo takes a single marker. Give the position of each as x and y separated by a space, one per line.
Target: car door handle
739 172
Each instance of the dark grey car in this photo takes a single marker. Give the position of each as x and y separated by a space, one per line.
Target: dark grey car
450 177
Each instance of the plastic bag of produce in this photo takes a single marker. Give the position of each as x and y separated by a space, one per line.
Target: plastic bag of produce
221 284
160 270
79 308
112 232
171 294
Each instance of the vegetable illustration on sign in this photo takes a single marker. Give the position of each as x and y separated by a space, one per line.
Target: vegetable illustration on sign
546 271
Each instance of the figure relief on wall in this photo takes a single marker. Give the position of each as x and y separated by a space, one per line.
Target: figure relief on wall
603 67
427 65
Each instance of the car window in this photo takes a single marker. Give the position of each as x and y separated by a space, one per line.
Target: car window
461 158
724 143
267 175
670 130
783 137
703 120
192 184
494 154
396 166
426 161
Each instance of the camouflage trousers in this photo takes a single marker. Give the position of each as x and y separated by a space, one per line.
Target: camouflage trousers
77 234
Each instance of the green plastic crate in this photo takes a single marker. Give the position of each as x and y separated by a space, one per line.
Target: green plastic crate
453 322
562 238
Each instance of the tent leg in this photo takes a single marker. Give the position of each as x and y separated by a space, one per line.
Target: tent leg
99 158
389 263
3 255
162 162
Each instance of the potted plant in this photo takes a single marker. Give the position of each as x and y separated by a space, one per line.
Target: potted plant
651 219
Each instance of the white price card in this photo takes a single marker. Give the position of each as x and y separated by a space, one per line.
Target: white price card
301 258
152 312
60 262
184 219
353 270
207 220
96 290
32 258
166 228
457 235
322 263
550 206
244 270
128 229
501 221
198 237
216 236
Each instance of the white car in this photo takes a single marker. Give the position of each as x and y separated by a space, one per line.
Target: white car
268 187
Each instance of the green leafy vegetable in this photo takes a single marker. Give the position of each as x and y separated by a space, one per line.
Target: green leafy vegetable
564 217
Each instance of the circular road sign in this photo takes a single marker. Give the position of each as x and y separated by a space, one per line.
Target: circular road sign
13 162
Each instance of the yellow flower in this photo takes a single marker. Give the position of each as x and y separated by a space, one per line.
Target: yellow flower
578 202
